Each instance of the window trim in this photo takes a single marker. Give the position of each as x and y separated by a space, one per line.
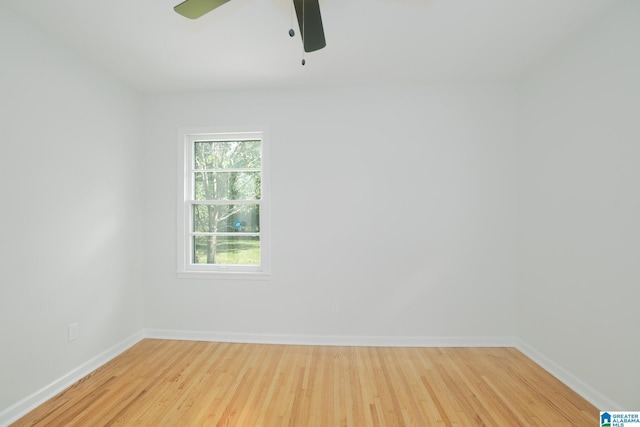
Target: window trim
185 268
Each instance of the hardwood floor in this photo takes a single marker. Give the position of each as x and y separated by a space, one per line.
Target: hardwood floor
184 383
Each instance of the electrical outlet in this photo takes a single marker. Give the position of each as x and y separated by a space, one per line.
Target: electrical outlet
73 332
335 307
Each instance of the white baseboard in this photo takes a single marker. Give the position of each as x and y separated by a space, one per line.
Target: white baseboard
596 398
333 340
21 408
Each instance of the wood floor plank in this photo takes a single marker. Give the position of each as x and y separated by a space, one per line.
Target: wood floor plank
186 383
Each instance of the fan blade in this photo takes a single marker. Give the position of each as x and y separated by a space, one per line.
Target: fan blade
196 8
310 23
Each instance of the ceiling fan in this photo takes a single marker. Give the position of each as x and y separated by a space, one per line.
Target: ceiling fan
307 12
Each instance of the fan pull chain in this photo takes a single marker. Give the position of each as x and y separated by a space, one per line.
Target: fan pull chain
303 33
293 33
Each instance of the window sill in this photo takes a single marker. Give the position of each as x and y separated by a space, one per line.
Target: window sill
227 275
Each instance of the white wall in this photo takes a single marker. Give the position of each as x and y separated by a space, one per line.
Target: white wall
579 272
398 203
68 177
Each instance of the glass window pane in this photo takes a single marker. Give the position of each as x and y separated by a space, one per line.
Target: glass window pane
239 250
226 218
227 154
226 186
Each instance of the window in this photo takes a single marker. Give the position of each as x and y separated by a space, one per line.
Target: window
223 214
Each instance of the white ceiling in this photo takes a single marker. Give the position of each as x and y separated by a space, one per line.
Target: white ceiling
245 43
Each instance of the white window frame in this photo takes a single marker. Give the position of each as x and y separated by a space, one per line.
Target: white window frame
186 267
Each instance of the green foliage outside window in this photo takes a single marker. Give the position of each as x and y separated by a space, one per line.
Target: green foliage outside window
227 191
